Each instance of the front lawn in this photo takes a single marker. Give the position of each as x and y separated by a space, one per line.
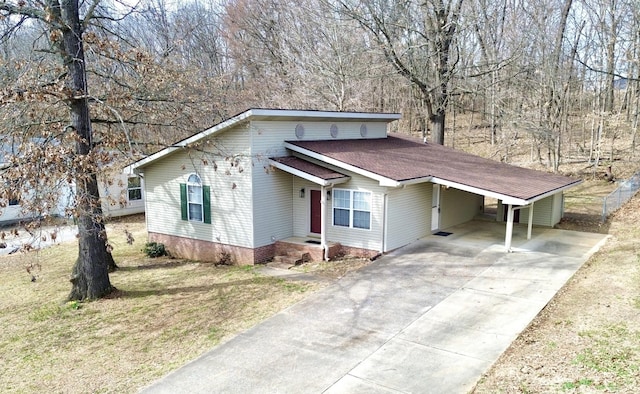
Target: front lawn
165 313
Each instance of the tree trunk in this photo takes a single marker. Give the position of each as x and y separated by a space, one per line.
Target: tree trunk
90 276
437 127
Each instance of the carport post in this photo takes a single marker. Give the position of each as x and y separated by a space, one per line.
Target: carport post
507 238
530 221
323 224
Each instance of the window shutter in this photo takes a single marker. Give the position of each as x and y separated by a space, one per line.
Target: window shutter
206 203
183 201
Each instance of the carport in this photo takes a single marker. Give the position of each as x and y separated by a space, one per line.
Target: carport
512 204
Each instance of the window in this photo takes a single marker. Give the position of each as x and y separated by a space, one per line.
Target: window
134 188
195 200
11 193
351 208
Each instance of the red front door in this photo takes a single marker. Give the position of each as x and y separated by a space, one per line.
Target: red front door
316 212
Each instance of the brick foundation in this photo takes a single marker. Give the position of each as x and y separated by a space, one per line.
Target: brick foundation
195 249
358 252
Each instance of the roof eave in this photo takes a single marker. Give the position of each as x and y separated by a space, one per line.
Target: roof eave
307 176
558 190
313 114
506 199
476 190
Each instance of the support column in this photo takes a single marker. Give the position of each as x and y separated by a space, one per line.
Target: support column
508 236
530 221
323 220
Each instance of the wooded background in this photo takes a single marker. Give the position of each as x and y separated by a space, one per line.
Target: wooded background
562 73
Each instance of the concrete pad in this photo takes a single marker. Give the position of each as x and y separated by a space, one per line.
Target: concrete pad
353 385
452 337
487 312
430 317
412 368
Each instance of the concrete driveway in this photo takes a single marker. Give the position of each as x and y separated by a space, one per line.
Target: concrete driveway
430 317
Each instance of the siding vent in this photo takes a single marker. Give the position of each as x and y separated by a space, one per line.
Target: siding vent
363 130
334 130
299 131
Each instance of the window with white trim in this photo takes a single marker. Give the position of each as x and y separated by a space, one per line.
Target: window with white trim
134 188
351 208
194 198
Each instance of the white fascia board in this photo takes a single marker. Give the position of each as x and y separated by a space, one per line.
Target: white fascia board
324 114
215 129
131 168
194 138
308 177
504 198
555 191
384 181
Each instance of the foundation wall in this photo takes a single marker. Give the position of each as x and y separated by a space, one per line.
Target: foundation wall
195 249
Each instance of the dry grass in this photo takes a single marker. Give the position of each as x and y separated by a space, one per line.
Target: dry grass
165 313
587 338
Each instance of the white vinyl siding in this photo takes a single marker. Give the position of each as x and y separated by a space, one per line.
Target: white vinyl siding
272 189
229 178
458 206
280 131
302 207
546 212
408 214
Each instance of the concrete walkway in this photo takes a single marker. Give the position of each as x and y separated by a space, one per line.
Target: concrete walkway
428 318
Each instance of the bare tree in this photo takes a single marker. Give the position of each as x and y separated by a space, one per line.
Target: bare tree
418 39
90 277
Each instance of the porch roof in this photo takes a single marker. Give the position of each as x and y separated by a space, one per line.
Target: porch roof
309 171
398 160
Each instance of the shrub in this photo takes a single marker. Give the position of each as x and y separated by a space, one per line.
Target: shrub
154 249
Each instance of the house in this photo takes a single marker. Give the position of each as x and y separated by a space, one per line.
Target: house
336 181
120 194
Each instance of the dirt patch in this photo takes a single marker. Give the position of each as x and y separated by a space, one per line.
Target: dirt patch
335 269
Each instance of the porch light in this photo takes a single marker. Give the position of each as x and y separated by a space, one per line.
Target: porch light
302 193
328 194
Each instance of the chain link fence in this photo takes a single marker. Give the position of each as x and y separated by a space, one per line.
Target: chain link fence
622 194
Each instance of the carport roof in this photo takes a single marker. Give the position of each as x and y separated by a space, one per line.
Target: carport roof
398 160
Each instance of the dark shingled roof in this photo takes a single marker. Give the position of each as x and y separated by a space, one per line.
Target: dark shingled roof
309 168
401 158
